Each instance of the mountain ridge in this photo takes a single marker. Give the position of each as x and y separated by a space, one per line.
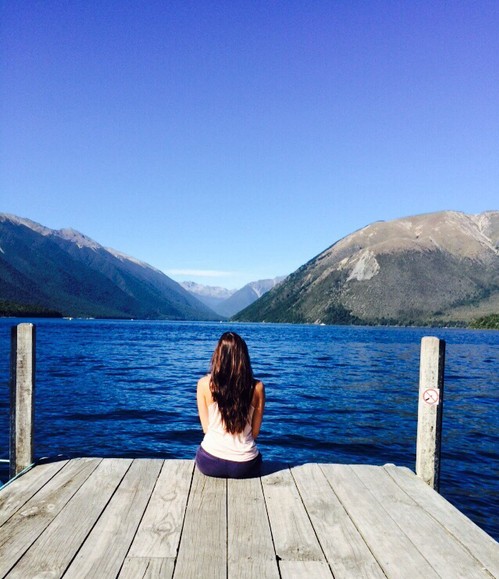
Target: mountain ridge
434 268
67 271
228 302
431 268
247 295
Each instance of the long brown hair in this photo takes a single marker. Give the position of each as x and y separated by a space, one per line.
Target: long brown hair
232 382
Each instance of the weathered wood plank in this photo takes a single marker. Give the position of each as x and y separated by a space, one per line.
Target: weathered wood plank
22 529
294 537
105 549
159 531
14 496
430 410
480 545
253 568
301 569
344 547
90 513
54 549
147 568
22 392
423 531
393 550
203 545
250 547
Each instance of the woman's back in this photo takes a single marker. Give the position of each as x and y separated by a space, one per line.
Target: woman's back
230 405
218 441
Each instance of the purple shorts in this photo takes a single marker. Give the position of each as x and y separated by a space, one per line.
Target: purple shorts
218 467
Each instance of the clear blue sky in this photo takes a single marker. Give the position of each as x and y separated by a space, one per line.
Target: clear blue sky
240 138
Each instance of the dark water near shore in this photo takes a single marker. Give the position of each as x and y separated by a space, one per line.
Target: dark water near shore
334 394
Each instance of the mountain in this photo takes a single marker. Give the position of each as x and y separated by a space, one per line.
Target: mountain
212 296
228 302
436 268
65 271
247 295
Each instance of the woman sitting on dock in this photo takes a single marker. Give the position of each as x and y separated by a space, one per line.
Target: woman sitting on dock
230 405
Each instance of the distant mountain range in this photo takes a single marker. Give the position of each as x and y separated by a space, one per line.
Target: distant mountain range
212 296
438 268
43 271
228 302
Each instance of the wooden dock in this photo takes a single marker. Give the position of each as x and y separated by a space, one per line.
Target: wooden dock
92 517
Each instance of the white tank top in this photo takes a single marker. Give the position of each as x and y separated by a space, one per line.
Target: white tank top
239 447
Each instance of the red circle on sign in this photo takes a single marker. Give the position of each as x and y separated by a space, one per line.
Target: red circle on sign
431 396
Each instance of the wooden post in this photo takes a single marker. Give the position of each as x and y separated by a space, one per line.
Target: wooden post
22 390
430 410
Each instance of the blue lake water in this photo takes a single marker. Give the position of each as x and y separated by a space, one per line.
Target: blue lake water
334 394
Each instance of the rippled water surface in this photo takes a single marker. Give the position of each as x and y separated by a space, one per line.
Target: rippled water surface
334 394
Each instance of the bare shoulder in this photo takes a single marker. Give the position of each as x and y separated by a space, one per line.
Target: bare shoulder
204 387
258 394
204 384
204 381
259 387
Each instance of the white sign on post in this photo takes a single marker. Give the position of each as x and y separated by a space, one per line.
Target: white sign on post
431 396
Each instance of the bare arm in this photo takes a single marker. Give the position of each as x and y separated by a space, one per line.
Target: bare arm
203 385
259 405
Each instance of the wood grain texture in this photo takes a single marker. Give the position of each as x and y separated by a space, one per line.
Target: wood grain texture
151 518
343 545
203 546
481 546
422 530
252 568
22 396
24 528
294 536
53 551
158 534
14 496
301 569
105 548
430 410
147 568
387 541
249 541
